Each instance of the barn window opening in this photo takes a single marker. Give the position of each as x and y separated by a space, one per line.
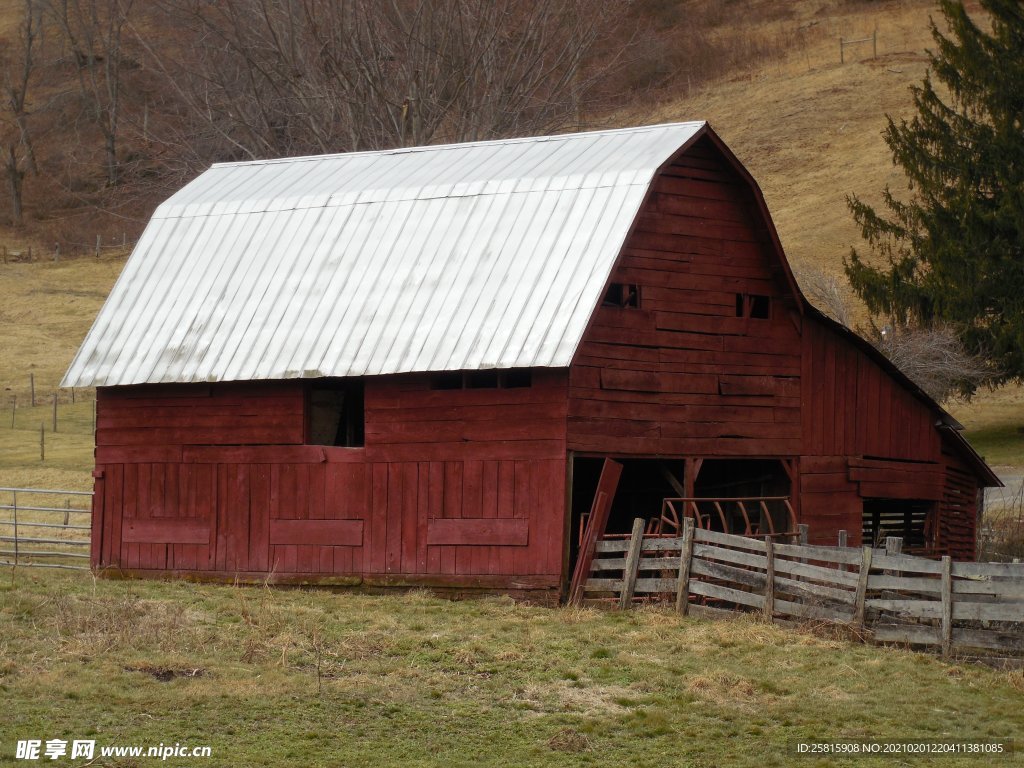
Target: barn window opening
907 519
753 305
623 295
336 414
488 379
482 379
446 381
518 379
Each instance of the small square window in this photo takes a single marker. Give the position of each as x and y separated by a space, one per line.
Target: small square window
756 306
623 295
336 414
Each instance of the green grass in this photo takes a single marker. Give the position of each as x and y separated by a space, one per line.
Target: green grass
994 422
314 678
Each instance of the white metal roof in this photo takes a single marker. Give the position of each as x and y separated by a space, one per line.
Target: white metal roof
455 257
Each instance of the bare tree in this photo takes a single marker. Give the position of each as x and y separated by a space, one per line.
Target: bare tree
934 358
262 78
19 67
94 30
828 292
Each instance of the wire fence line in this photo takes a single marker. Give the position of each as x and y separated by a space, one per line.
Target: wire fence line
44 528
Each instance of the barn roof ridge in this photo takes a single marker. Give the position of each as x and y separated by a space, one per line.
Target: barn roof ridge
459 144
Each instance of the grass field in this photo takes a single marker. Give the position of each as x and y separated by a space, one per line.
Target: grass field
272 677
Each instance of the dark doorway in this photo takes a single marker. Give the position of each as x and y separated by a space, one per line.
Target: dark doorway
640 491
744 479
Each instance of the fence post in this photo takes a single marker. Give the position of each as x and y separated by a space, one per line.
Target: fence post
636 544
769 589
42 441
842 545
803 528
14 407
685 556
841 60
947 606
862 586
893 547
15 505
55 412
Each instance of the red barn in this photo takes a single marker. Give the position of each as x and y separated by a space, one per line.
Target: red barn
411 366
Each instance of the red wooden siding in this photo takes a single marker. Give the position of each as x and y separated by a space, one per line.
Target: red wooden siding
682 374
481 501
956 523
829 501
853 407
155 418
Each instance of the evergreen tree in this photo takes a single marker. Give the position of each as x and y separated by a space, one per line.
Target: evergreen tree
954 251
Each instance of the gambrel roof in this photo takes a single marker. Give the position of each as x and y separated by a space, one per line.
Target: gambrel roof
457 257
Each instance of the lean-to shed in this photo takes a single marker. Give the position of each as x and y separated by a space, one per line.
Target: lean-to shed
422 366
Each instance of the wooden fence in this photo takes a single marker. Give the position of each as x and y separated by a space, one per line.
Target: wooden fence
889 597
45 529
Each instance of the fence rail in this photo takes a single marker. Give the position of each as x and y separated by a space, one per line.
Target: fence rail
56 534
889 597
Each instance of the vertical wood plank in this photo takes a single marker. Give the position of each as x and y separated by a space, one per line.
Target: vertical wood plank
636 545
685 558
410 516
422 514
375 558
467 560
96 520
947 606
489 509
128 555
435 505
452 509
506 509
862 587
769 586
259 517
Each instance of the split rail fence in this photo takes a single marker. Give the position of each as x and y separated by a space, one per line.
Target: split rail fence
890 598
44 528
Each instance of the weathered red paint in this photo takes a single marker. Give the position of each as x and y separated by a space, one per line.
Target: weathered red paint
467 488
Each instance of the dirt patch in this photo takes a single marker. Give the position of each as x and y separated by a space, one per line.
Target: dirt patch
725 690
569 740
591 700
166 674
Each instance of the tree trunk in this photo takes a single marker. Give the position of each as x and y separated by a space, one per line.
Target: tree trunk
15 178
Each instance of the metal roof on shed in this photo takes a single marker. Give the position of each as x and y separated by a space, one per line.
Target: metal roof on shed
455 257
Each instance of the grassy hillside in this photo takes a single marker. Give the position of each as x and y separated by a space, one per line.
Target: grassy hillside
288 677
